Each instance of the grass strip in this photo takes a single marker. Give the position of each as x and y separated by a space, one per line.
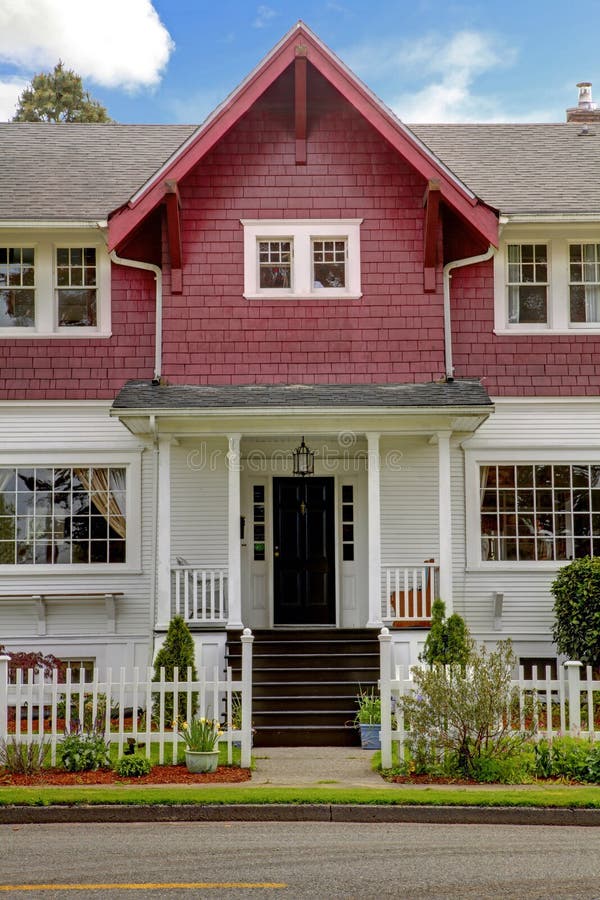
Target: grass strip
555 796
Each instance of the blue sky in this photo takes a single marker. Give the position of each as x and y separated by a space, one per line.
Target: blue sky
174 60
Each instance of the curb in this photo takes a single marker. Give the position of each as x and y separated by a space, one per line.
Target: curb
438 815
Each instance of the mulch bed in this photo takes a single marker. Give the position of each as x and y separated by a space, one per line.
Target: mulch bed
429 779
159 775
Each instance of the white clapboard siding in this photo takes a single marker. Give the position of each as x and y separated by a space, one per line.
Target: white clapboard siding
69 429
199 503
568 423
409 501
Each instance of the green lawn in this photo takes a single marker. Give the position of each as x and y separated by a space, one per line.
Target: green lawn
544 796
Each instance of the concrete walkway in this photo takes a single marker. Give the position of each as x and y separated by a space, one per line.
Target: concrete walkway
315 767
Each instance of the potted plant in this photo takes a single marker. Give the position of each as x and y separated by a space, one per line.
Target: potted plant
201 738
368 719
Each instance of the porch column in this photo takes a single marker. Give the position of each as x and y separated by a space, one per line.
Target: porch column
445 518
234 554
163 543
374 524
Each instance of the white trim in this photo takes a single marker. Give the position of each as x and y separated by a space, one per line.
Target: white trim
510 455
374 534
557 237
301 232
46 325
445 518
131 461
163 548
233 532
52 225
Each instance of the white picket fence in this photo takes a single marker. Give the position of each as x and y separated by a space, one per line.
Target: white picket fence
127 705
558 698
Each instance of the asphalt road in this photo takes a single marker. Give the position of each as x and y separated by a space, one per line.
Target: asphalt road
300 859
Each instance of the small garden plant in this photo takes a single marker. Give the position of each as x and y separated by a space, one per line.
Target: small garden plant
21 757
369 708
133 766
200 735
84 751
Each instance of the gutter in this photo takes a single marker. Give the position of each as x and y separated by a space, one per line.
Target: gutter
456 264
157 271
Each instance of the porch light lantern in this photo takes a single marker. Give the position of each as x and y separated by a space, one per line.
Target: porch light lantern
304 460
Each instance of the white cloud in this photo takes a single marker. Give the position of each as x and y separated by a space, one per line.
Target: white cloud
10 89
115 43
264 14
440 75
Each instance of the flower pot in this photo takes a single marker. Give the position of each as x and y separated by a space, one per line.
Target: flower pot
201 760
370 736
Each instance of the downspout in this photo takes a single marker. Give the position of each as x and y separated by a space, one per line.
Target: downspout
149 267
154 544
456 264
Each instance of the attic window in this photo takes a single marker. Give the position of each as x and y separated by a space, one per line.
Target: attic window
302 259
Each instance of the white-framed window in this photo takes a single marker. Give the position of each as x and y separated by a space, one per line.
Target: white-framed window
295 258
58 514
54 287
531 509
547 281
584 283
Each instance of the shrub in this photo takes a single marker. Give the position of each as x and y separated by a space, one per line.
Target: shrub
132 766
448 641
462 709
39 662
177 651
84 751
21 758
576 591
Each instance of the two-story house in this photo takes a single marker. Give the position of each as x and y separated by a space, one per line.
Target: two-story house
300 368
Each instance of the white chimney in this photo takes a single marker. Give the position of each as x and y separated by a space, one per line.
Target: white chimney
586 110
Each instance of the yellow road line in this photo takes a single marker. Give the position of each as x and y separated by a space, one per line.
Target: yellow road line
143 886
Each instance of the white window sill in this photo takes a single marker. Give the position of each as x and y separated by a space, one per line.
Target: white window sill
33 335
542 565
28 569
576 331
317 295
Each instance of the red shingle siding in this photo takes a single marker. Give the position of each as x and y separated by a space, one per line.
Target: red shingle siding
523 365
82 369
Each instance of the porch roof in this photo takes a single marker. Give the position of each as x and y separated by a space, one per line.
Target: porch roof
143 397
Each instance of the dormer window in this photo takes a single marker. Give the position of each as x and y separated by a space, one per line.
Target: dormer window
54 289
302 259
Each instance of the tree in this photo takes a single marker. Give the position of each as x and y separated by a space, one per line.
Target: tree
58 96
576 591
177 651
448 641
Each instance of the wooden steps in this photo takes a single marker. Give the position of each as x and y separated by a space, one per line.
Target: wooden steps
305 683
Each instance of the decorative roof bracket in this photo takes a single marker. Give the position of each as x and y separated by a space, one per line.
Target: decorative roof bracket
300 102
173 208
431 202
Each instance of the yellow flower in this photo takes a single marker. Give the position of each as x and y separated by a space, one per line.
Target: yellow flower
185 725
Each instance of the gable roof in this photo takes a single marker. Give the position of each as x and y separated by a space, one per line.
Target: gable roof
301 40
78 172
524 169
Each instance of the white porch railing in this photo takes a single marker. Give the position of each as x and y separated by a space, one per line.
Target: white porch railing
126 706
409 592
200 594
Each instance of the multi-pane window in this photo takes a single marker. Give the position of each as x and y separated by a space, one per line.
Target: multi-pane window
584 282
53 515
76 286
347 522
258 522
539 511
17 287
527 284
275 263
329 263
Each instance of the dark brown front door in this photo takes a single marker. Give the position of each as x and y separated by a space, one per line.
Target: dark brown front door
304 550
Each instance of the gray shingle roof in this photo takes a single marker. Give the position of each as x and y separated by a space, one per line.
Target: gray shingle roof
70 171
523 168
86 171
143 395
